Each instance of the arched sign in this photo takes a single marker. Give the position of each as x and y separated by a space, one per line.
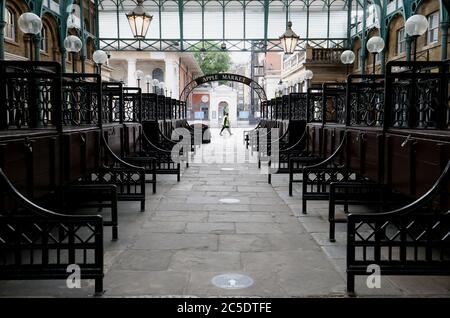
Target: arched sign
223 77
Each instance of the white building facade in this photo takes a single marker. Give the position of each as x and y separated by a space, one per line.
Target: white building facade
174 69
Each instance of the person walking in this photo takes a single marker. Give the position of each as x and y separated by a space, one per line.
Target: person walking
226 124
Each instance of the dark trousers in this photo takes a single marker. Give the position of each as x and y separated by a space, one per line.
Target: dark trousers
227 128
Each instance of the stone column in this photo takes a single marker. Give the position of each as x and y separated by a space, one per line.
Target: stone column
131 81
171 78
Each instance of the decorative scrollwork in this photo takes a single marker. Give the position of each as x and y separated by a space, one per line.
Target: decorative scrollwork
112 99
334 99
168 108
132 104
30 94
17 103
80 101
149 107
161 103
314 105
285 114
415 103
128 182
417 95
366 107
297 104
270 109
366 100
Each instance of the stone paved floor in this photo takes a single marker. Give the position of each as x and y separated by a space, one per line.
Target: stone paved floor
187 236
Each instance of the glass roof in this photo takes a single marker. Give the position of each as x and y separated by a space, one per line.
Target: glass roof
194 22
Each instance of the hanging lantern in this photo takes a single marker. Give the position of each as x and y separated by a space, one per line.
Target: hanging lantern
289 39
139 20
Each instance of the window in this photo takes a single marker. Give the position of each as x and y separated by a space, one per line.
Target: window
10 27
433 27
401 41
158 74
44 39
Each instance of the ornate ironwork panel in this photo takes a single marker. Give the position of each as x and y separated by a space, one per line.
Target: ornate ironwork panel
264 109
417 95
168 112
149 107
30 94
161 103
36 243
318 180
365 100
334 102
278 104
285 107
270 109
132 98
175 106
81 99
414 238
297 106
183 109
112 99
314 105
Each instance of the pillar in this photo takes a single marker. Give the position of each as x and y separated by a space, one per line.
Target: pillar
131 81
171 80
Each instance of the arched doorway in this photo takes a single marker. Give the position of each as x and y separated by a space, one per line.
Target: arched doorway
223 108
188 89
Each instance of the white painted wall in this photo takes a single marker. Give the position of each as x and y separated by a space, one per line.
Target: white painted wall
271 85
223 93
125 64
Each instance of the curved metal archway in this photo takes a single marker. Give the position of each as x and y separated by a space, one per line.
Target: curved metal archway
223 77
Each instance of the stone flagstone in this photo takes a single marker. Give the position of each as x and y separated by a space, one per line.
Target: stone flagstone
187 236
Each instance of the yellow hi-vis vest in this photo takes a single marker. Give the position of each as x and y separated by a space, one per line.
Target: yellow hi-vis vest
226 122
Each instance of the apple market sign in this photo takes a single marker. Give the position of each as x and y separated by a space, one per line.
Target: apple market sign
258 89
223 77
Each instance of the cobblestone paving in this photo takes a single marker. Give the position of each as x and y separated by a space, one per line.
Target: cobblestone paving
187 236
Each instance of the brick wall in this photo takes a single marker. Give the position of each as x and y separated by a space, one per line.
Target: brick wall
20 47
424 52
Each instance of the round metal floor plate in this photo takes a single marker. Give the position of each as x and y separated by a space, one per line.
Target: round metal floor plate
229 200
232 281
